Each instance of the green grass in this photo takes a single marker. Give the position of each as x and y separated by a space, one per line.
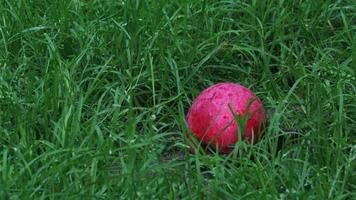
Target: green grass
93 97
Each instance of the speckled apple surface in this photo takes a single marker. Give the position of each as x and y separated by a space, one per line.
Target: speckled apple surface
211 121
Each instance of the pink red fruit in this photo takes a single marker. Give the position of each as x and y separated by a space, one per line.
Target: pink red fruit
211 118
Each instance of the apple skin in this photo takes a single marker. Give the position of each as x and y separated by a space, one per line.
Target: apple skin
211 121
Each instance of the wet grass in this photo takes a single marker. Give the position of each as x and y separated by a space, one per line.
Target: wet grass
93 97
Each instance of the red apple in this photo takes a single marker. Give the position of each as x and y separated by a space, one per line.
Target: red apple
214 115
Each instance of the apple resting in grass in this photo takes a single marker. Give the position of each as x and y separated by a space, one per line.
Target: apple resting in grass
214 116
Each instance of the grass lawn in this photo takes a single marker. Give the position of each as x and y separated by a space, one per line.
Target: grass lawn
93 98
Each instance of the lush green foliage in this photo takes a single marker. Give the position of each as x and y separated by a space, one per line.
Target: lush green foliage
93 96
